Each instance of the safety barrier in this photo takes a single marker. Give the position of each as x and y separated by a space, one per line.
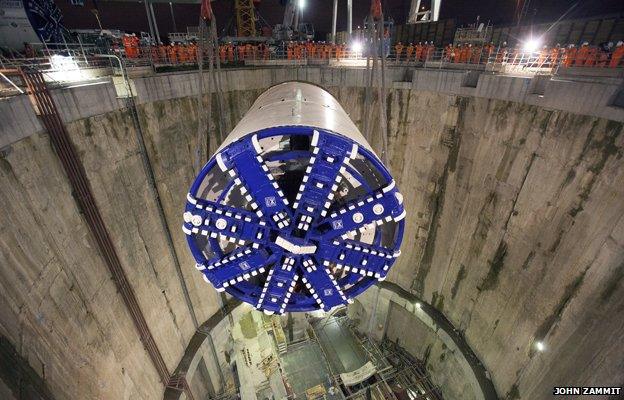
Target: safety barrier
66 64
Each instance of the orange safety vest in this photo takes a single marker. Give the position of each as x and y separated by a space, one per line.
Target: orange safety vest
581 55
616 57
409 51
230 53
554 56
569 57
602 59
171 52
399 49
592 55
476 55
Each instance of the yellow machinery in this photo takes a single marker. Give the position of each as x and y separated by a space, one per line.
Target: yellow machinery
245 18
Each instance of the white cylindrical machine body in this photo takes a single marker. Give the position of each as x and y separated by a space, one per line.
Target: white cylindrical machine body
296 104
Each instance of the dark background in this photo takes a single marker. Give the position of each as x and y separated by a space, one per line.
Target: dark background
130 16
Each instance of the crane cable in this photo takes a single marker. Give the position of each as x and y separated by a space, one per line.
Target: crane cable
375 36
207 46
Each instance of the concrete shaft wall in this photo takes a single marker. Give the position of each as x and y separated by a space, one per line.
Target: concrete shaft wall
514 228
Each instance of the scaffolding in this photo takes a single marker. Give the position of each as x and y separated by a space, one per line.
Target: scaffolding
398 375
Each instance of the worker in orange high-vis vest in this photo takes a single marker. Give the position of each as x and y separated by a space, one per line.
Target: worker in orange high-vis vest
193 49
489 52
153 53
581 55
230 52
617 55
465 53
172 54
409 51
222 53
430 51
602 59
457 52
398 49
162 53
128 45
181 51
418 51
555 54
476 55
592 56
570 56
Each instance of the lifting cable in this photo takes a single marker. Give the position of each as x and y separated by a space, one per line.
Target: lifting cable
375 59
208 46
376 45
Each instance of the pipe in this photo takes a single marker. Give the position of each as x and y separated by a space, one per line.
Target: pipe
149 21
334 17
435 10
151 6
175 28
349 18
11 83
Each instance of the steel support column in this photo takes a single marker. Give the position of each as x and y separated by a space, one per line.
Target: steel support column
149 20
349 18
334 17
157 38
175 28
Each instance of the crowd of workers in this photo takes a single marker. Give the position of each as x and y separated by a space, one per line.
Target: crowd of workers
181 53
569 56
608 55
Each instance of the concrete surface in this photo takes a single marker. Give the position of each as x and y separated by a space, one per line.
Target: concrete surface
514 228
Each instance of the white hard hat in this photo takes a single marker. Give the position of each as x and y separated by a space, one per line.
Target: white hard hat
619 43
585 43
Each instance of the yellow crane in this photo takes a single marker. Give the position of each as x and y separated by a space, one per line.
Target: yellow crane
245 18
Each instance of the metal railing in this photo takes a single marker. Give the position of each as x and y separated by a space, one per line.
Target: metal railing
67 63
552 59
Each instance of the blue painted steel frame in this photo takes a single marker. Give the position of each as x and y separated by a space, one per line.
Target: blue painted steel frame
311 220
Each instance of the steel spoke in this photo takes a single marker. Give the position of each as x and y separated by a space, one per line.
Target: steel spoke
364 259
278 287
218 221
322 285
250 173
239 265
383 206
321 179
